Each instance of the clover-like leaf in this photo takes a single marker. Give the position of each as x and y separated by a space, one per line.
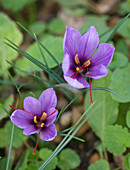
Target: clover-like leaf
37 27
8 29
53 44
116 139
126 163
6 103
124 30
44 154
119 60
99 165
56 26
105 110
120 82
68 159
128 118
15 5
5 136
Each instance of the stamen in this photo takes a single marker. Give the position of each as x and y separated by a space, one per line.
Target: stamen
77 69
35 119
43 117
23 110
87 63
76 59
36 144
91 101
41 125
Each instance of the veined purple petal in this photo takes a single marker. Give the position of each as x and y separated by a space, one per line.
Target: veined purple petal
103 55
78 82
70 41
98 71
67 64
88 43
21 119
51 118
48 99
32 105
48 133
31 129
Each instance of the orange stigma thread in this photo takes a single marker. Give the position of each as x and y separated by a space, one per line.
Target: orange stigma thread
91 101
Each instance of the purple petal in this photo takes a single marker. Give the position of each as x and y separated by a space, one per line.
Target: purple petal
51 118
48 99
88 43
78 82
48 133
103 55
67 64
32 105
70 41
31 129
98 72
21 118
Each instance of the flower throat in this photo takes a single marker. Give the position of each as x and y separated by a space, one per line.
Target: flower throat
80 71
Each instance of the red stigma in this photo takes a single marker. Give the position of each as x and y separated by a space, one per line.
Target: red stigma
36 143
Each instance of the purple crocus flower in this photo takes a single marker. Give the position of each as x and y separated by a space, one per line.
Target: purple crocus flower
81 60
38 116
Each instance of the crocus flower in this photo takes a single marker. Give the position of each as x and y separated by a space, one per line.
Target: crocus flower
81 60
38 116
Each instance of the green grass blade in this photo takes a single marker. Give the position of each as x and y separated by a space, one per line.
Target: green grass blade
10 147
36 62
74 137
117 27
5 110
62 110
65 141
40 44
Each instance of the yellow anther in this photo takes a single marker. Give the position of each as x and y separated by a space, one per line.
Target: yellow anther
87 63
77 69
41 125
43 116
76 59
35 119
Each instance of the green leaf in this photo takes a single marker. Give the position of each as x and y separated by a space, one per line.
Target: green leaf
56 26
6 103
103 114
124 8
116 139
125 29
121 119
119 60
120 80
44 154
99 165
54 44
37 27
71 3
31 156
5 135
8 29
68 159
24 163
3 162
99 22
15 5
122 47
126 163
128 119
